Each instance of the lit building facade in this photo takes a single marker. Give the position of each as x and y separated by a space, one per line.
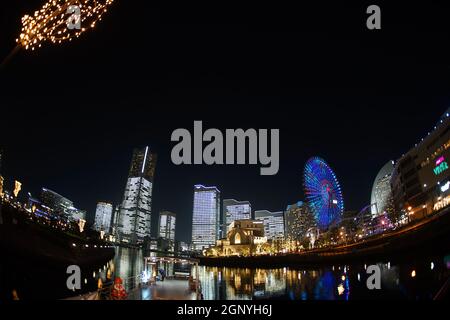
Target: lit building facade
166 227
421 179
273 223
244 238
103 216
381 190
299 220
234 210
135 211
61 206
115 221
205 217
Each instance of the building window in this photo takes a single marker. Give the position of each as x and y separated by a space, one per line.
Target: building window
237 238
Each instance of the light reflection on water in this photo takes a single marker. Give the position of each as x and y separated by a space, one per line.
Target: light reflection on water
338 282
129 263
343 283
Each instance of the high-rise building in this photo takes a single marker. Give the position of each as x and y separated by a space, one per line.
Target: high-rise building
421 179
299 219
166 227
205 217
115 222
273 223
136 208
103 216
61 206
234 210
381 189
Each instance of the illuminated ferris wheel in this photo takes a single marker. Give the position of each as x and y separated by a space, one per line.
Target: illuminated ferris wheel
323 192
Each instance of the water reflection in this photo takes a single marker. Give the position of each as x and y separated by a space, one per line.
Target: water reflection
129 264
326 283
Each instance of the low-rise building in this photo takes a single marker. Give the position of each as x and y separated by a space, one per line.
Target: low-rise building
244 238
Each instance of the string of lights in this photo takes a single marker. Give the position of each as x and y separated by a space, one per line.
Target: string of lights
51 22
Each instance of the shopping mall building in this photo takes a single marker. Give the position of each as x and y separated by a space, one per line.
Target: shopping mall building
421 178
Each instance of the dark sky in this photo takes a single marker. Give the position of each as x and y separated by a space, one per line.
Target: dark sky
72 113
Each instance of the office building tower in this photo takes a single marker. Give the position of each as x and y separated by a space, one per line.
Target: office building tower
234 210
205 217
136 208
299 220
166 228
273 223
103 216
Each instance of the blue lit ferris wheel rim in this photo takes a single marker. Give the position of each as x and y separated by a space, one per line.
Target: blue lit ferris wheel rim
323 192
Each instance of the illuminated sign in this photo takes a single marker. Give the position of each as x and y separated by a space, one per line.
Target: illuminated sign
445 187
441 166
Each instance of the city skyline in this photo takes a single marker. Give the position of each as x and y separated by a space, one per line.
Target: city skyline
367 103
192 152
186 236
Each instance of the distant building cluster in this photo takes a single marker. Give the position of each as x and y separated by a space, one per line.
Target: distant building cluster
55 204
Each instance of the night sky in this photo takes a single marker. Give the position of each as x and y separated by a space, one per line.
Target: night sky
71 114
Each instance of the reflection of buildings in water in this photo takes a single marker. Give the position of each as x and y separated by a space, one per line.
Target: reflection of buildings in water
325 288
269 283
128 262
389 276
312 284
241 283
337 283
208 282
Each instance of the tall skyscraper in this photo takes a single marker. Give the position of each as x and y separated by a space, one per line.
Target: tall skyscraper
103 216
205 217
136 208
115 221
166 228
273 223
234 210
381 189
299 219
